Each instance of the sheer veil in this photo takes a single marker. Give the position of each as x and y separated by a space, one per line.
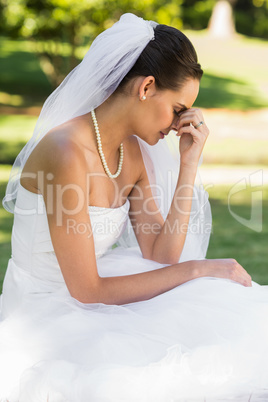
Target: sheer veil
110 57
162 162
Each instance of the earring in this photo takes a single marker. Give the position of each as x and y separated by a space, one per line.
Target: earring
143 97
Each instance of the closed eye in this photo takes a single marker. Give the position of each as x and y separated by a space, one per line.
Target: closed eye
179 112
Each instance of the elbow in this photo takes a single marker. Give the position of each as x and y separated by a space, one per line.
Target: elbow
173 261
167 260
99 293
162 253
175 257
88 294
85 299
163 258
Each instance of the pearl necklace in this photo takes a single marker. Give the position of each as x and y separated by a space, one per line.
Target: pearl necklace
103 160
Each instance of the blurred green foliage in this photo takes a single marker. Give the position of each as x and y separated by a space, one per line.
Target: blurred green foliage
196 14
74 20
251 17
52 23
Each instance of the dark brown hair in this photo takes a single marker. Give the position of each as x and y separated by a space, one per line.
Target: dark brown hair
170 57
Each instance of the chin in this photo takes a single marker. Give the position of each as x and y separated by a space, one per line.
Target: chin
151 141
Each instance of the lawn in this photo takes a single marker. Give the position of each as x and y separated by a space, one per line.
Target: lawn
15 132
22 81
235 72
232 239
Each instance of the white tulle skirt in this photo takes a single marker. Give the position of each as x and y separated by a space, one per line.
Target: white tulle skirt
203 340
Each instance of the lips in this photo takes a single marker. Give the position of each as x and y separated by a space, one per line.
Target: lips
163 133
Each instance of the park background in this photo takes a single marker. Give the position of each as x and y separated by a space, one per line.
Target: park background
40 42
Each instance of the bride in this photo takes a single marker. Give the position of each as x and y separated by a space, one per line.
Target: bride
113 161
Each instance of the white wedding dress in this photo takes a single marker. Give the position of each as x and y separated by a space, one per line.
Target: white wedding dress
204 340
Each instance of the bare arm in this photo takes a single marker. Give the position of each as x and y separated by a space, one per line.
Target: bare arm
160 240
66 201
169 243
165 241
75 251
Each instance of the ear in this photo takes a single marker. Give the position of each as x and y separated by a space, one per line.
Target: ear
147 87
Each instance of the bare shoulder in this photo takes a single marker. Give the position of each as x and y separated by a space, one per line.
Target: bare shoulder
61 153
66 142
60 147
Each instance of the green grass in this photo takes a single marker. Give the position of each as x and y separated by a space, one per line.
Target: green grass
15 132
229 238
235 72
228 92
20 73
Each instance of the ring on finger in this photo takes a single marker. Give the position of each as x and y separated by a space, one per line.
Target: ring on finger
199 124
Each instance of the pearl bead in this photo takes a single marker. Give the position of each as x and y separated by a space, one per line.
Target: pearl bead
102 157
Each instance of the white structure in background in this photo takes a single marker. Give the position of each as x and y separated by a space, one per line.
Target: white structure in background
221 24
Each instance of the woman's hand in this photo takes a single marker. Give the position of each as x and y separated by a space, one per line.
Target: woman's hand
227 268
193 136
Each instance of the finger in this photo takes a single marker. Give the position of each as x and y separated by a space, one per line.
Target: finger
193 112
192 109
190 119
184 119
248 282
191 130
246 277
244 280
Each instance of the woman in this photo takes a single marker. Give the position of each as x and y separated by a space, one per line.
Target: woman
149 320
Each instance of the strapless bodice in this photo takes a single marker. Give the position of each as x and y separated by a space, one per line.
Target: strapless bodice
32 248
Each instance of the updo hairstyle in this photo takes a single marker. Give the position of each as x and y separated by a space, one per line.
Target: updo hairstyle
170 57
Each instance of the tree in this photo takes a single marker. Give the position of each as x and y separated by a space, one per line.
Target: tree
196 13
251 17
56 27
59 28
221 24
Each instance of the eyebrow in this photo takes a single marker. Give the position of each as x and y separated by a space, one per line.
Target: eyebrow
182 105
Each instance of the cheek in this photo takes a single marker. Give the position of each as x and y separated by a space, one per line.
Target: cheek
159 116
165 116
157 110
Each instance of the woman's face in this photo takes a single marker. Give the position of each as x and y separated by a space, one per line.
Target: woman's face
159 112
